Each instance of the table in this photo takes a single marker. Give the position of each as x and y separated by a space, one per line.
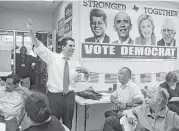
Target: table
87 102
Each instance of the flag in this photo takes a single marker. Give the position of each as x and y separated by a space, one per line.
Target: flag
144 78
110 78
160 76
94 77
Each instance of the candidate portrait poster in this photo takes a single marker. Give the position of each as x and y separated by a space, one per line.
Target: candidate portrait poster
128 31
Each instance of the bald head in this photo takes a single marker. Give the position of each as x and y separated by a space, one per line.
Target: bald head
124 75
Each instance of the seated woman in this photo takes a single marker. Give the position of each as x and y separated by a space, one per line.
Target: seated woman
151 116
172 86
39 113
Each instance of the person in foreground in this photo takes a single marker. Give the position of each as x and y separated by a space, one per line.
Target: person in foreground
61 76
153 115
39 113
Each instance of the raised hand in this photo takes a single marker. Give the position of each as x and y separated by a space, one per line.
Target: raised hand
34 40
29 24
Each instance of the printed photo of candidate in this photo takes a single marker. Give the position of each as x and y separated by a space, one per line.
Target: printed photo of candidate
168 32
146 30
98 24
122 25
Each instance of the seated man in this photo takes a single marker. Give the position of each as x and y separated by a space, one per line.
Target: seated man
127 95
11 102
153 115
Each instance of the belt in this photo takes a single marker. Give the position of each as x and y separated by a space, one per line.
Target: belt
67 93
61 93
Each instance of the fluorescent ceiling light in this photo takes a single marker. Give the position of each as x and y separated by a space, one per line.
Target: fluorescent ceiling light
49 0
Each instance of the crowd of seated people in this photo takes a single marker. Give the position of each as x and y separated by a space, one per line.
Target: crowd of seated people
27 110
24 109
158 112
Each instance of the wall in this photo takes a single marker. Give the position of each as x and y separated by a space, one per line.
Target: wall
16 19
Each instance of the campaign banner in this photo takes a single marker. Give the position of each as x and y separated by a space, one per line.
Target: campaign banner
90 50
135 31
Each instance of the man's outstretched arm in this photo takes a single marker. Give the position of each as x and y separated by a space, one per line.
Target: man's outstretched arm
34 39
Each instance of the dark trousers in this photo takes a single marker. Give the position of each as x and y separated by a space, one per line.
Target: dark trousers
111 113
62 106
112 123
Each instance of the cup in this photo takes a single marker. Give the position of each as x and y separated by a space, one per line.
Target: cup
81 76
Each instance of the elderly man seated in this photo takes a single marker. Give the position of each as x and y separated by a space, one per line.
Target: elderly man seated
12 102
127 95
153 115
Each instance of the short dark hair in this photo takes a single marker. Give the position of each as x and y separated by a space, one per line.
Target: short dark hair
15 77
171 77
23 47
63 42
128 71
122 12
98 13
37 107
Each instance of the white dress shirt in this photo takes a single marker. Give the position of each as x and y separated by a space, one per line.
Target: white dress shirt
55 66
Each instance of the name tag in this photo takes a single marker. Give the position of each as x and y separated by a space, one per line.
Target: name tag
23 65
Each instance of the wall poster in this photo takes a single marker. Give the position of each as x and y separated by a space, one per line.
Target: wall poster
68 11
61 24
112 30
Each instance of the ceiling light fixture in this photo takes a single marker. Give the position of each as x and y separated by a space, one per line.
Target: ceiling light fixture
49 0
